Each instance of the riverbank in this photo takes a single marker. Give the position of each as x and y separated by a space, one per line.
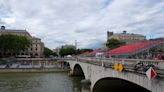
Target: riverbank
33 70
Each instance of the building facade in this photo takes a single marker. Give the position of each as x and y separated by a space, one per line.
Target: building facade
128 38
36 48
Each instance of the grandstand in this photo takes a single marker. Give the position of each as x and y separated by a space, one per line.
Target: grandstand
141 50
93 53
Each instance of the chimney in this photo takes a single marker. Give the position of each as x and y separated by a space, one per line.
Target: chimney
2 27
124 32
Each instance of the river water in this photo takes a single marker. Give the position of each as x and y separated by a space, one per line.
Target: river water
39 82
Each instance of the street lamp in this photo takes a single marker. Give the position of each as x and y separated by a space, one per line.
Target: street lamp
75 47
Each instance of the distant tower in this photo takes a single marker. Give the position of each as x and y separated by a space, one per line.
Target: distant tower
109 34
75 47
75 44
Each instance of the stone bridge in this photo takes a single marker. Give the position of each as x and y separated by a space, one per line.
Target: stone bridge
100 76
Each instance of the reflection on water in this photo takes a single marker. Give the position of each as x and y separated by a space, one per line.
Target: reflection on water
39 82
76 83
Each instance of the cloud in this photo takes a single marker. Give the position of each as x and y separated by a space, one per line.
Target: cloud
60 22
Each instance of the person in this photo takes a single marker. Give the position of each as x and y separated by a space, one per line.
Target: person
158 57
162 56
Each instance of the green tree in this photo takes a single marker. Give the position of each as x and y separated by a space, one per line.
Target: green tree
80 51
47 52
114 43
13 43
67 51
55 54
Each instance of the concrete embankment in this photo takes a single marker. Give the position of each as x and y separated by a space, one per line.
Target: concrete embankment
33 70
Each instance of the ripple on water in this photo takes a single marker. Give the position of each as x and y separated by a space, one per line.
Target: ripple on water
38 82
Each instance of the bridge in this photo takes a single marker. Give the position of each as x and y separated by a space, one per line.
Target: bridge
102 75
114 75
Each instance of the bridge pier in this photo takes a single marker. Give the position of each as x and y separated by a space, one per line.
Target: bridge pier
70 73
85 85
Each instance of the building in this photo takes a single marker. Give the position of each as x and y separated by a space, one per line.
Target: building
57 50
35 50
128 38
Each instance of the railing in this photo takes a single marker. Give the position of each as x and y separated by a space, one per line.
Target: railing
131 65
43 59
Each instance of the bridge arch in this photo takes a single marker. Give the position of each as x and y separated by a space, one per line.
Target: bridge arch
116 85
78 71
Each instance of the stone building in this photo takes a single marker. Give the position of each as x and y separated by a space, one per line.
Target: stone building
36 48
128 38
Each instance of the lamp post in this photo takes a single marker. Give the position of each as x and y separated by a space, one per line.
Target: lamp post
75 47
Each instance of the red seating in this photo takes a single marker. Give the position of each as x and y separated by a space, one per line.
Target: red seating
92 53
133 47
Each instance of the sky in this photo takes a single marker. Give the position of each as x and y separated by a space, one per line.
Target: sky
59 22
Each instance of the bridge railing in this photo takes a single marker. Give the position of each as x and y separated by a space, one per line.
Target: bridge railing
137 65
43 59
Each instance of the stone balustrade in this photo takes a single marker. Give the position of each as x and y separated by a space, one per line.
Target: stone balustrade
134 65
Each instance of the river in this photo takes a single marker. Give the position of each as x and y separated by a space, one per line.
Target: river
38 82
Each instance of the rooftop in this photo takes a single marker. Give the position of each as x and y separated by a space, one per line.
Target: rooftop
12 30
127 34
124 33
3 29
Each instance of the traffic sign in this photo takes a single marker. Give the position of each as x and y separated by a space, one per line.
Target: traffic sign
115 66
120 67
151 74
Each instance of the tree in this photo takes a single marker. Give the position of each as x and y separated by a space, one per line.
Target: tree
80 51
114 43
55 54
67 51
13 43
48 52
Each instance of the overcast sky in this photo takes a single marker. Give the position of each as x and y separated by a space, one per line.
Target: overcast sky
59 22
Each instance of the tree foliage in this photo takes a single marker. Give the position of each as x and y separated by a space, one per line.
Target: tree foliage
48 52
13 43
80 51
67 51
114 43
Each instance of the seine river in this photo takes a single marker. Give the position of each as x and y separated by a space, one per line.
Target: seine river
39 82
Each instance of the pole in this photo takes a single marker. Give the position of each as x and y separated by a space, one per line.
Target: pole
75 47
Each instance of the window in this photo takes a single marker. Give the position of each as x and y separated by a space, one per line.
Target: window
36 54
